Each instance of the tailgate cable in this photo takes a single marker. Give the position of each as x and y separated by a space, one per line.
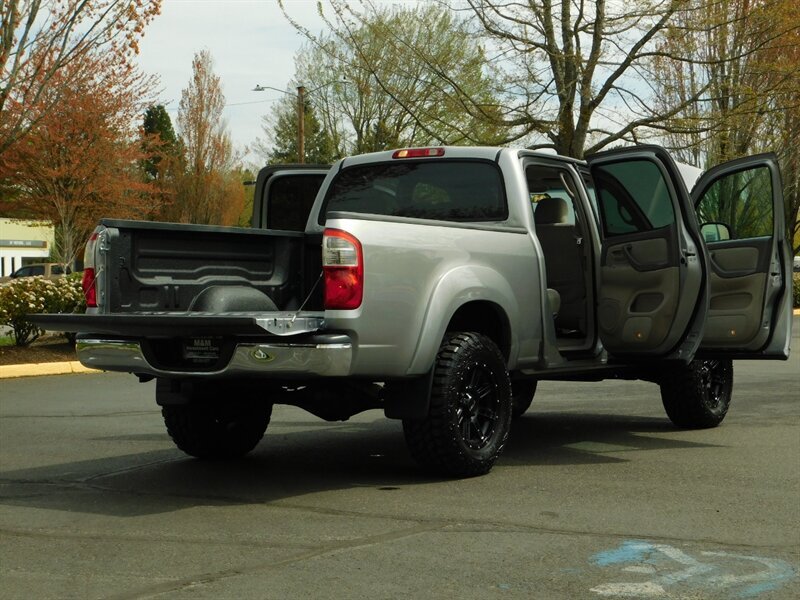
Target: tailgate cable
310 293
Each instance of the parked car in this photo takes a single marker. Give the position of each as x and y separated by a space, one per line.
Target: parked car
41 269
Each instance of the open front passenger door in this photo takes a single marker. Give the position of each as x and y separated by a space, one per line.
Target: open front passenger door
652 280
740 208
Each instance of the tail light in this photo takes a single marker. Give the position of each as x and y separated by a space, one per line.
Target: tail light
89 275
343 267
89 290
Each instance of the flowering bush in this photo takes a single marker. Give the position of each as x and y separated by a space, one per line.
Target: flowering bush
21 297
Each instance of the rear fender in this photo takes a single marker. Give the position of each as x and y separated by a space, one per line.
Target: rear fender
455 289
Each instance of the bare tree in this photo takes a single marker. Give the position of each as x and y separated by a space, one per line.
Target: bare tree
745 58
209 191
391 60
580 69
576 74
38 38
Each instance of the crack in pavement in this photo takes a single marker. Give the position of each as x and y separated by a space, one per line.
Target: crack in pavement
52 534
79 415
215 576
435 522
460 524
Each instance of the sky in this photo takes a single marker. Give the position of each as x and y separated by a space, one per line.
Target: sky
250 41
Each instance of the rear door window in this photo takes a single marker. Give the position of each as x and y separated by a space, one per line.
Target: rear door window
633 197
289 200
461 191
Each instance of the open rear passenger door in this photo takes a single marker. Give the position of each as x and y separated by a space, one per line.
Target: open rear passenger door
284 196
740 209
652 280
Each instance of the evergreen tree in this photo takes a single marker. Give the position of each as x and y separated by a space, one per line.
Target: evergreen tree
281 127
160 140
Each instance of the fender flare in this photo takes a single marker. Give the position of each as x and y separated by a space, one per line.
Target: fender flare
458 287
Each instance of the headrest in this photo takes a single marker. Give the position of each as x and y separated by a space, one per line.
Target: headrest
550 211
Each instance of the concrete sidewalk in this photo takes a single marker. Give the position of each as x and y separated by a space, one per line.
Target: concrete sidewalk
49 368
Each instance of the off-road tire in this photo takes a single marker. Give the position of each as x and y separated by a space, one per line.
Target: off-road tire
218 430
522 392
697 395
470 409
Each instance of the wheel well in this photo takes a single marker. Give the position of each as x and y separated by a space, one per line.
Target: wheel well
486 318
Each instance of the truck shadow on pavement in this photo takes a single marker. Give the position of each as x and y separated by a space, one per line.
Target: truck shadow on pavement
296 459
579 439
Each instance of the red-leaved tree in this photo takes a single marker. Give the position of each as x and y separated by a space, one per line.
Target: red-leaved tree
79 160
40 38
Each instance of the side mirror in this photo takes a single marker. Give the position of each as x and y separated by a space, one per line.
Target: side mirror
715 232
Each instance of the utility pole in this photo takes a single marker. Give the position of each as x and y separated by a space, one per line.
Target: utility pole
301 124
301 113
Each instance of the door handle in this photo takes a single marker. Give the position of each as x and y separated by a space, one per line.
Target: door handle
727 273
640 266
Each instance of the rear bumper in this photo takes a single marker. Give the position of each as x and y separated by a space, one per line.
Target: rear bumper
320 356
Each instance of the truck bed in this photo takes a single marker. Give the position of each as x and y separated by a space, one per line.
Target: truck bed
154 267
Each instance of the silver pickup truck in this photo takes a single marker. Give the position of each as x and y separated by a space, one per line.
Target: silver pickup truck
439 285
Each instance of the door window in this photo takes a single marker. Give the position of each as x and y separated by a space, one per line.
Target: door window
633 197
737 206
290 200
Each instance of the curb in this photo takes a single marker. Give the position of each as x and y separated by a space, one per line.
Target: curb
66 368
52 368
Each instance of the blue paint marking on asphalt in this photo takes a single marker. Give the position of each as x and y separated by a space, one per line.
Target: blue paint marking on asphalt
670 566
629 551
783 574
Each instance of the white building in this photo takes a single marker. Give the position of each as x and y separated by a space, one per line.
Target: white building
23 242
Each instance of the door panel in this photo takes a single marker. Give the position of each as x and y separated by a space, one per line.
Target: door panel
651 283
738 284
640 317
750 290
638 293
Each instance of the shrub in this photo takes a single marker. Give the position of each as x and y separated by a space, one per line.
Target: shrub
21 297
796 289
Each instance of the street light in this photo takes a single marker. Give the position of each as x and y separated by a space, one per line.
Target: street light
301 112
301 117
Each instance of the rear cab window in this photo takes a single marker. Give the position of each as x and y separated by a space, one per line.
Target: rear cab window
463 191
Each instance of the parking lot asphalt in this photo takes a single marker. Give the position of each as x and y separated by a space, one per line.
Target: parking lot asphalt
596 496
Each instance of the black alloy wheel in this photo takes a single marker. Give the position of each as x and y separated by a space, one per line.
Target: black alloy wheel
697 395
469 414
